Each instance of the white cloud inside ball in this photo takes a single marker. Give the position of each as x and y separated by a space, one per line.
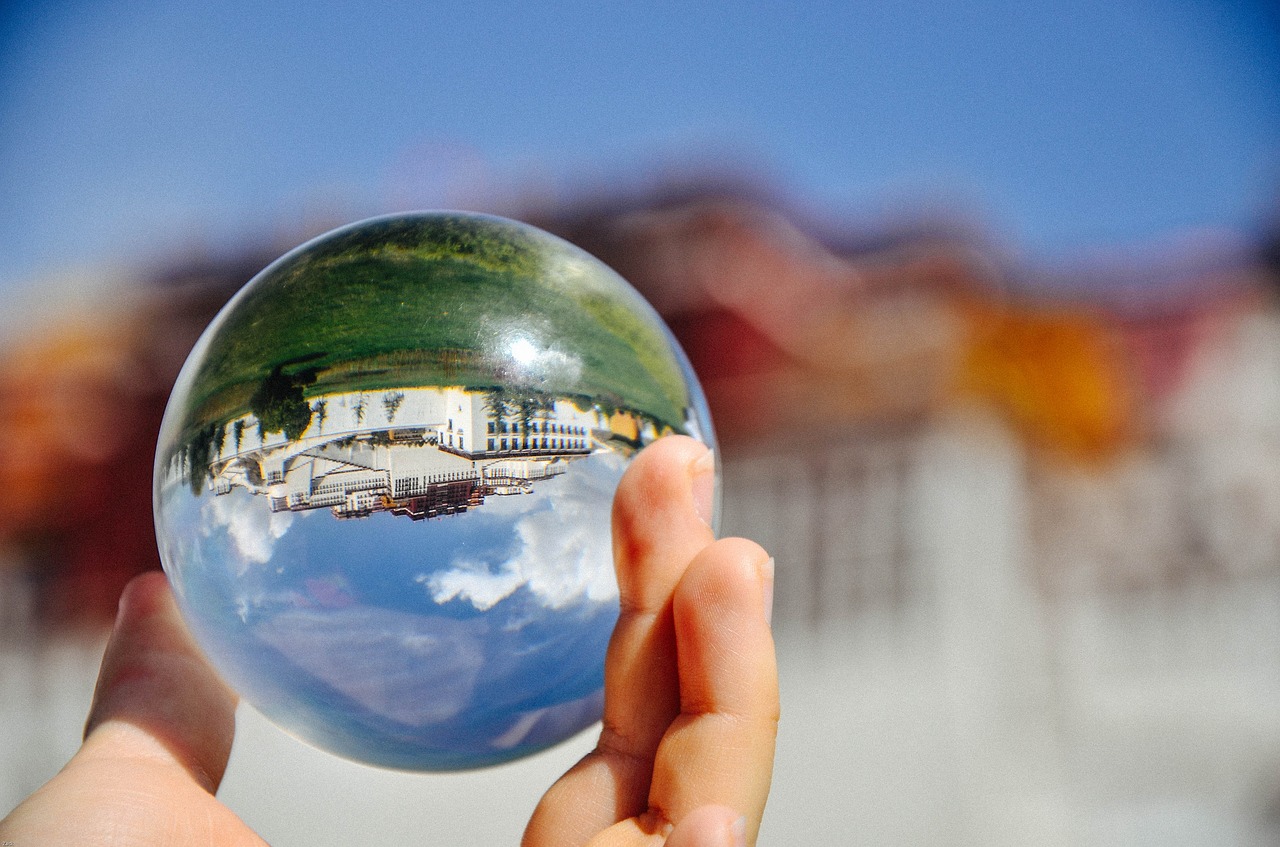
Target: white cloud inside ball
563 553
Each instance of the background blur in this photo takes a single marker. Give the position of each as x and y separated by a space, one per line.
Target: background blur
983 297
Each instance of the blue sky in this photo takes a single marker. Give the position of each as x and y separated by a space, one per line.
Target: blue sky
341 636
129 127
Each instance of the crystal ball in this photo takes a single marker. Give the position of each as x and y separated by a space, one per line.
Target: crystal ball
384 479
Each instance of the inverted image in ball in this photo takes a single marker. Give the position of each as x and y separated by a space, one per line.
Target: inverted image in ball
383 484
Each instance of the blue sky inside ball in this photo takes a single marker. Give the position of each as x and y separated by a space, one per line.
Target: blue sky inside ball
337 630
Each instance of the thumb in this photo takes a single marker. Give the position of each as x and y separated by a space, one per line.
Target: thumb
157 698
156 743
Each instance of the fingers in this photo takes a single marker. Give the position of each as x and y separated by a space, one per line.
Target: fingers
156 696
718 752
661 520
691 696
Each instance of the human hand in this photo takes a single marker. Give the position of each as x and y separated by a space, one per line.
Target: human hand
691 697
691 702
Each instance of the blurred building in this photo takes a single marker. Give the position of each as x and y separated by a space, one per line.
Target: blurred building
1028 545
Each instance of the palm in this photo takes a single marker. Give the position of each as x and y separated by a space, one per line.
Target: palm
119 797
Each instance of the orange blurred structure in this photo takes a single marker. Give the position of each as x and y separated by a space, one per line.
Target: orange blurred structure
1054 374
80 409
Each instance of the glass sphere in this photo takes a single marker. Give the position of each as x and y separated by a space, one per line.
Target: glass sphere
384 479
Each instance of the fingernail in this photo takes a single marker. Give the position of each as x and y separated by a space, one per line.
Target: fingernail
703 473
738 833
766 587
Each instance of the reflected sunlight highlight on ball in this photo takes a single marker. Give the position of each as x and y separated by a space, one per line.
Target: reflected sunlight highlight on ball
384 477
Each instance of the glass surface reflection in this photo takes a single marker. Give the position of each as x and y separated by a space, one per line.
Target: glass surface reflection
384 481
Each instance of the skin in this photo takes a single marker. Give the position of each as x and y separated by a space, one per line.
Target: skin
685 754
